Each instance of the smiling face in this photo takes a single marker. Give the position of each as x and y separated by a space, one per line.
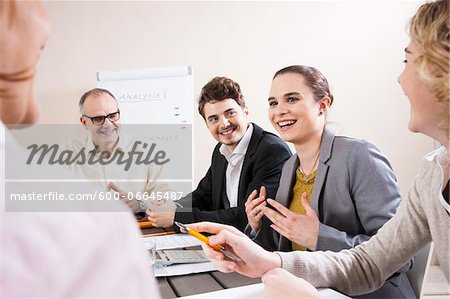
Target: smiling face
424 106
293 110
226 121
106 135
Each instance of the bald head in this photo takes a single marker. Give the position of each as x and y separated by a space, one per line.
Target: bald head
24 29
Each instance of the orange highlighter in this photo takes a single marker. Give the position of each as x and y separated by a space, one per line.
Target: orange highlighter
230 255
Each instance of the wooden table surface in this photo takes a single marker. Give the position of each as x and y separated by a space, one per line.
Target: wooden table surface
185 285
435 283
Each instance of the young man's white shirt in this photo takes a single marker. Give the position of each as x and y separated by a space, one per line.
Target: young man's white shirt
235 161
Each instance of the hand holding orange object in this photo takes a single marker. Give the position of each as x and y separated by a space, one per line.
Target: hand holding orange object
226 251
144 224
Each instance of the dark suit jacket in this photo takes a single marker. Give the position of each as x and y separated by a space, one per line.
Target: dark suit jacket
355 192
262 165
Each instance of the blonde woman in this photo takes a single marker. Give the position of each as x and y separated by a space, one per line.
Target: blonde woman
423 216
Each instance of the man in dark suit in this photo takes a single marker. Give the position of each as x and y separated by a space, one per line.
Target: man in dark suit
246 158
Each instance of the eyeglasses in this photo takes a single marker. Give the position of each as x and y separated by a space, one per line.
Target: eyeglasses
100 120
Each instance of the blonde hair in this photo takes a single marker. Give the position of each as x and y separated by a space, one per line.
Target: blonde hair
429 28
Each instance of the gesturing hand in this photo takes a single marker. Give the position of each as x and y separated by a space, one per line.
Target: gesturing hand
132 203
254 208
300 229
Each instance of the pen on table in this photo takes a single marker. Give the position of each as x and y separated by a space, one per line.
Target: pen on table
205 240
158 234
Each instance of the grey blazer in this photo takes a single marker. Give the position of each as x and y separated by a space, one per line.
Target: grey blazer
355 193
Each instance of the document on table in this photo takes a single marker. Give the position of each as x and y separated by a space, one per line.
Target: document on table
172 241
183 269
255 291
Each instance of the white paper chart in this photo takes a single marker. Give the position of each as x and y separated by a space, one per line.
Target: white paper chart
152 96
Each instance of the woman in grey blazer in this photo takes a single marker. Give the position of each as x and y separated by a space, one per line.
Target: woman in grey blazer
335 192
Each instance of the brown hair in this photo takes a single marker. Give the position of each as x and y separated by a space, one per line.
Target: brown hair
219 89
313 78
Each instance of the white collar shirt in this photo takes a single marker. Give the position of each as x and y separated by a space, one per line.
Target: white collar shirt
235 161
136 180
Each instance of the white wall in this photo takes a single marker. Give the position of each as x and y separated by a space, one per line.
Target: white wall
358 45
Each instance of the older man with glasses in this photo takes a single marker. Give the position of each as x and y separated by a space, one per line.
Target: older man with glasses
96 106
100 115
